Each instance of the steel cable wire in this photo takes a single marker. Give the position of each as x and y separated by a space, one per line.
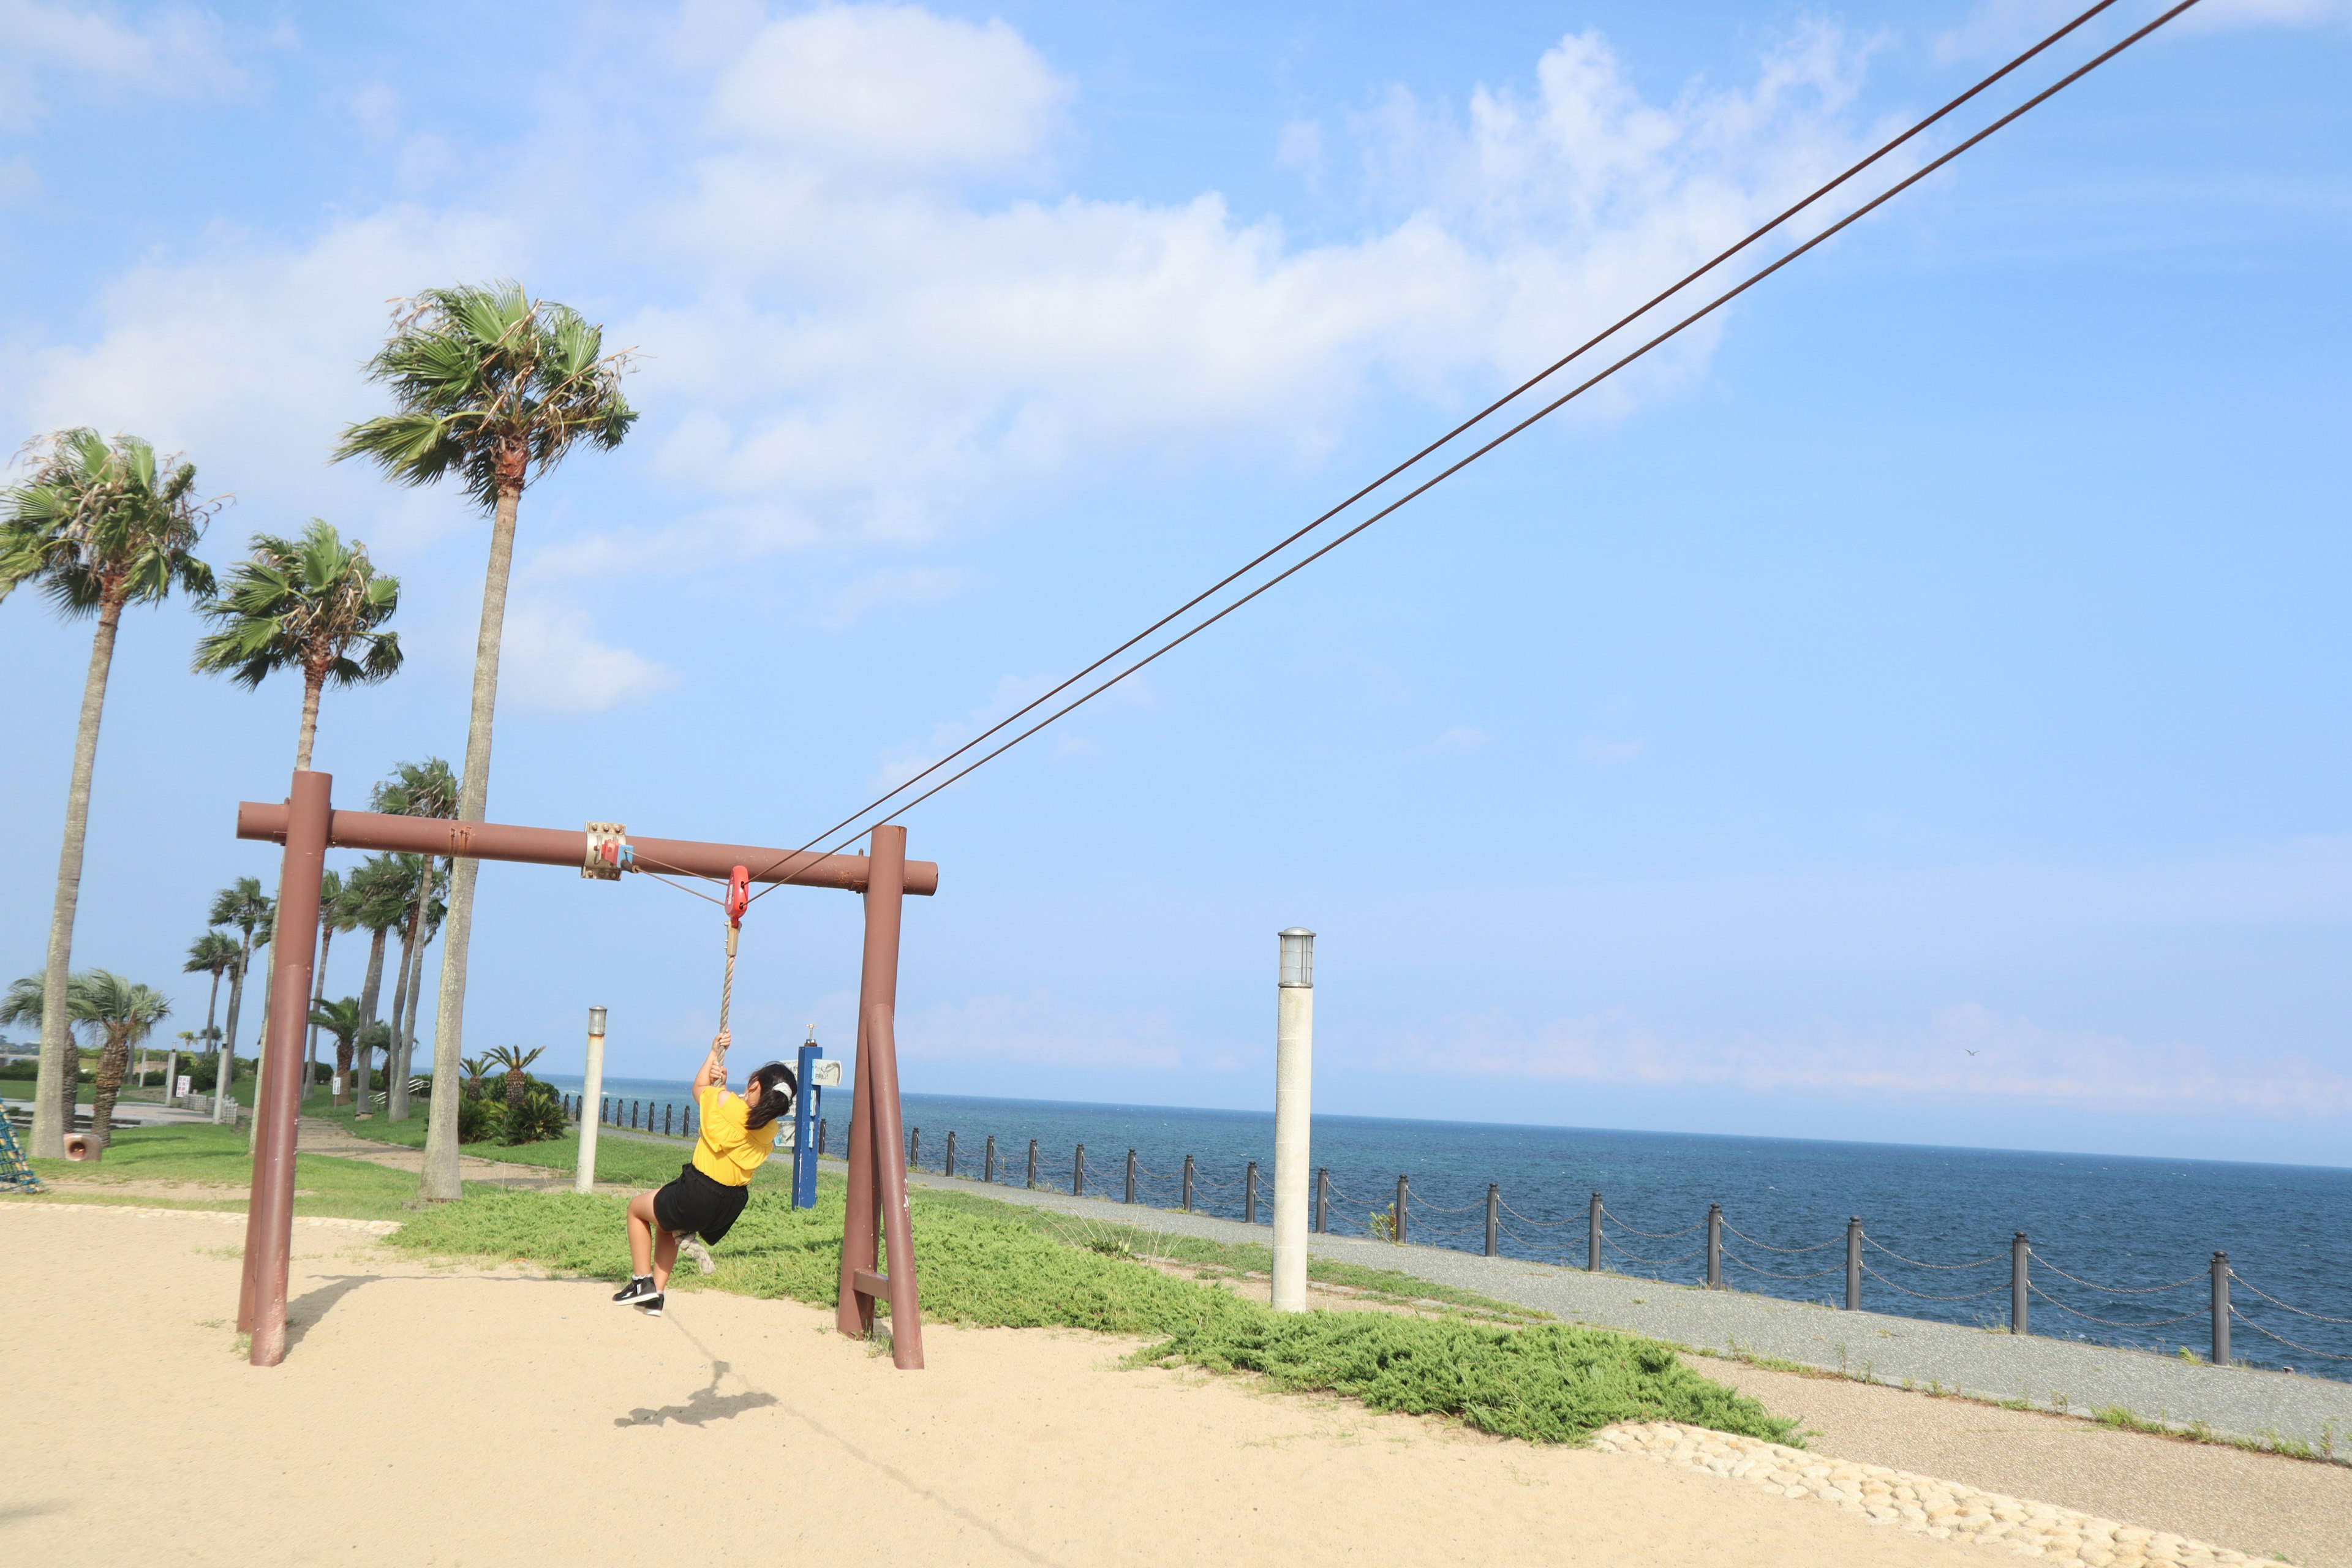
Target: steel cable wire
1548 1224
2298 1311
1770 1248
1923 1296
1533 1246
2111 1289
1619 325
1729 1256
2108 1322
2328 1355
1655 1262
1914 1263
1545 412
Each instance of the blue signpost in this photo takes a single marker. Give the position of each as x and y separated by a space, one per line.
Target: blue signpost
812 1072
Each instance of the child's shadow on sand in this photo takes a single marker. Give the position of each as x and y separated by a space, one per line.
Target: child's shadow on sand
706 1406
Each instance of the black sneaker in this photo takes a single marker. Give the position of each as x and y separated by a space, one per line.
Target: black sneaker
650 1305
637 1291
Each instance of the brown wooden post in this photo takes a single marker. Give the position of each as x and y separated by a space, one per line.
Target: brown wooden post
877 1208
269 1207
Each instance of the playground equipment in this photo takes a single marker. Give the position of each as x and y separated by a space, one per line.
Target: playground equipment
308 824
15 1171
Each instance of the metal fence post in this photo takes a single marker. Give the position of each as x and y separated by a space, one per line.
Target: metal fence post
820 1137
1714 1246
1032 1161
632 1116
1078 1173
1249 1194
1494 1216
914 1148
950 1168
604 1108
1322 1199
1188 1184
666 1110
1397 1234
987 1161
2221 1309
1853 1264
2017 1285
1130 1175
1592 1237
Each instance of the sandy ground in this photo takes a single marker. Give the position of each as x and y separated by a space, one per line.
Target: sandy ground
2256 1502
455 1415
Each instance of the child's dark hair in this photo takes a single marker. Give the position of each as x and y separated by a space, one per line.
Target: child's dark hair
777 1088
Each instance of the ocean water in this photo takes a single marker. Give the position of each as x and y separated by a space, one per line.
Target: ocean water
2145 1225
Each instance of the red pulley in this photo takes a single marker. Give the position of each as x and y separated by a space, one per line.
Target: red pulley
738 894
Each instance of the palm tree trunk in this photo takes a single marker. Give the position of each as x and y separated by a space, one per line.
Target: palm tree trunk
400 991
210 1038
396 1088
261 1047
368 989
408 1033
226 1049
112 1062
309 731
440 1182
59 1074
311 1061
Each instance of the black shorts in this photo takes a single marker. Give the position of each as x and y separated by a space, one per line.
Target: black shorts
694 1202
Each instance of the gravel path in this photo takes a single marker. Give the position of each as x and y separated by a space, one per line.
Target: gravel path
2048 1373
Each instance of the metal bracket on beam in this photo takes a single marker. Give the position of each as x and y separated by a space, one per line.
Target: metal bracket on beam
608 853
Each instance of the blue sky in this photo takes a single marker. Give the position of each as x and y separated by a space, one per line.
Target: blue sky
1942 653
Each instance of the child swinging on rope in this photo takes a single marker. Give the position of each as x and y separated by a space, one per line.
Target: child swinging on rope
711 1188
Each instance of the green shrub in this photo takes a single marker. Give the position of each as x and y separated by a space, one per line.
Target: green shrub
478 1121
538 1117
1552 1383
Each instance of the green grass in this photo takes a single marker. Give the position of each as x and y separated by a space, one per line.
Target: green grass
200 1151
992 1265
1231 1258
629 1161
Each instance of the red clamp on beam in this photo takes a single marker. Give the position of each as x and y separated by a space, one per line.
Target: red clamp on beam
738 894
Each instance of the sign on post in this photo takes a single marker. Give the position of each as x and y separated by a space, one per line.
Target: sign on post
815 1073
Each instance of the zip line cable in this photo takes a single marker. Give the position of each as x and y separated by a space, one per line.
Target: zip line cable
1579 390
1705 311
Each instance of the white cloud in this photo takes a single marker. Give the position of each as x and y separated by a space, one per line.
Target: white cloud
175 54
2013 1059
894 85
551 661
849 346
247 357
1613 751
1459 741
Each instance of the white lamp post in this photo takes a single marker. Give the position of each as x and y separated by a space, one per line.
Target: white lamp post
591 1089
1294 1081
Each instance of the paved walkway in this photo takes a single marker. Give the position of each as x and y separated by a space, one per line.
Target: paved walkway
2048 1373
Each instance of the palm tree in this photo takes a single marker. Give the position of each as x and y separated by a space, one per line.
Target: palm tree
379 893
477 1068
488 383
307 604
335 913
342 1019
254 913
23 1005
428 788
123 1014
516 1061
100 525
213 953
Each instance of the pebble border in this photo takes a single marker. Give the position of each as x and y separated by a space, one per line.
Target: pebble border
1943 1511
